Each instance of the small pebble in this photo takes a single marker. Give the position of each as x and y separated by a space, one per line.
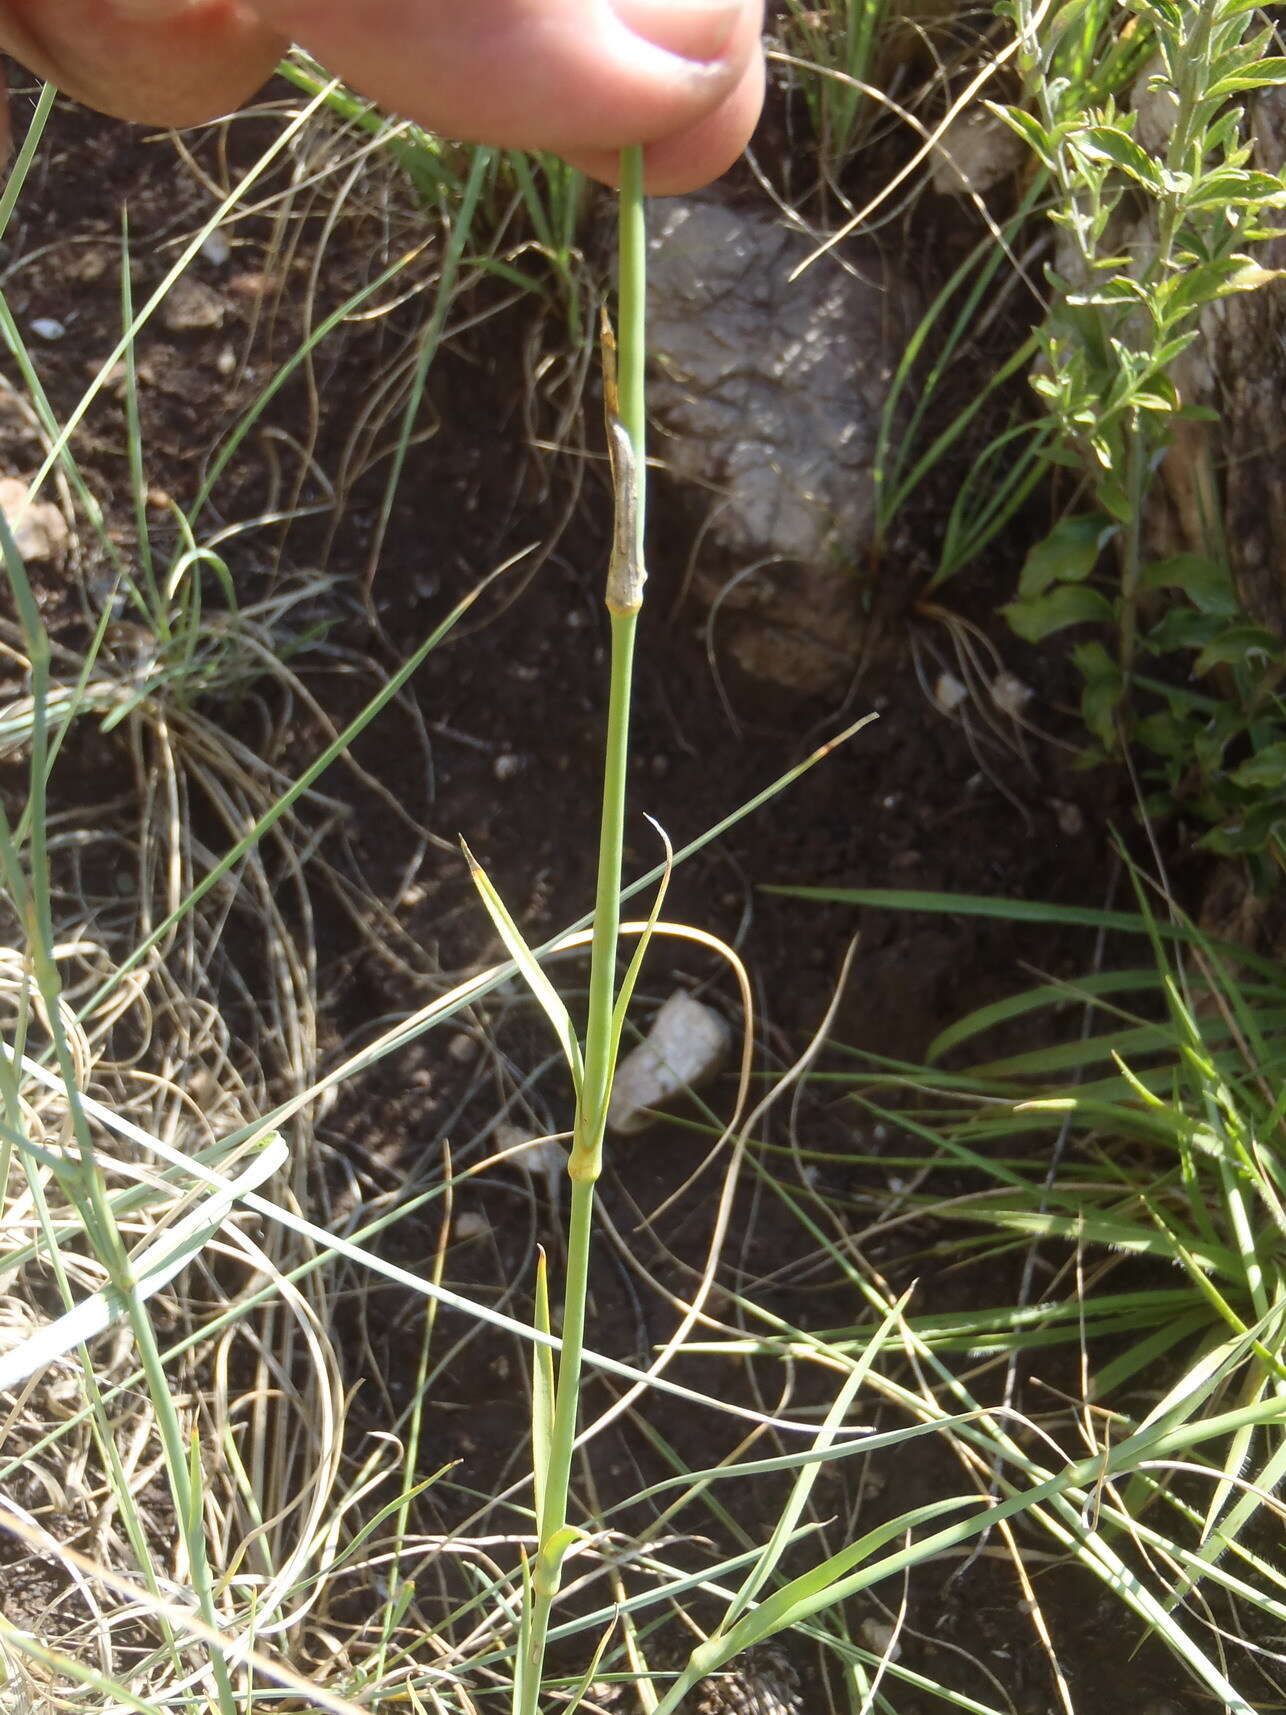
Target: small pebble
1070 820
192 307
507 765
877 1636
461 1048
469 1224
215 248
949 692
687 1044
47 327
1009 694
39 529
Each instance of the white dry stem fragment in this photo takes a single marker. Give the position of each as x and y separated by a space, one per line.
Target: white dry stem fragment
686 1045
625 572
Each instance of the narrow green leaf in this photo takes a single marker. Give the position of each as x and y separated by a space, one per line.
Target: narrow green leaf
630 980
1105 143
546 994
1261 75
542 1390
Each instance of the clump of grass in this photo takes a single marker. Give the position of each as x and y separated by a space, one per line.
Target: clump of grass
1149 1133
836 37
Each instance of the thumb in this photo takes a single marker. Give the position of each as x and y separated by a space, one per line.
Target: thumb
581 78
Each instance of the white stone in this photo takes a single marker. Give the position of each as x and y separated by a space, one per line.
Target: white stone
1009 694
687 1044
879 1637
470 1224
215 248
949 693
39 529
976 151
192 307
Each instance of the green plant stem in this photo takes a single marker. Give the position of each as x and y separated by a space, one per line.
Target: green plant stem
1136 477
587 1147
586 1157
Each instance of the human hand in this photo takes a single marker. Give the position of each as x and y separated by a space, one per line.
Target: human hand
582 78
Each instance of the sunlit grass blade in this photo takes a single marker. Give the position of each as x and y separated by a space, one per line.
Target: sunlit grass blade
542 1389
551 1002
153 1268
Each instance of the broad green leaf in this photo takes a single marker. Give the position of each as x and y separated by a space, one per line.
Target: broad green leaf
1067 555
1239 645
1067 604
1042 143
1184 628
1266 769
1203 580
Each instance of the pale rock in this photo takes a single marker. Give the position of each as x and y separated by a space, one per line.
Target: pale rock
192 307
687 1044
949 692
215 248
974 152
767 393
1155 102
1010 695
880 1638
470 1224
542 1158
39 529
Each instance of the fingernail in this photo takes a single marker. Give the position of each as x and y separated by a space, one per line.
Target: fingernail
690 29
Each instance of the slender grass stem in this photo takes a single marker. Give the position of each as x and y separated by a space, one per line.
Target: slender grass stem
624 575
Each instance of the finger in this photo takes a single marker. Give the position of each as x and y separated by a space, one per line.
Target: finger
165 62
582 78
698 155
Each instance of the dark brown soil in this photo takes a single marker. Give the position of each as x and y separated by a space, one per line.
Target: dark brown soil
507 755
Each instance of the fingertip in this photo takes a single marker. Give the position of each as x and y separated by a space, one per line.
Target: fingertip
695 157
